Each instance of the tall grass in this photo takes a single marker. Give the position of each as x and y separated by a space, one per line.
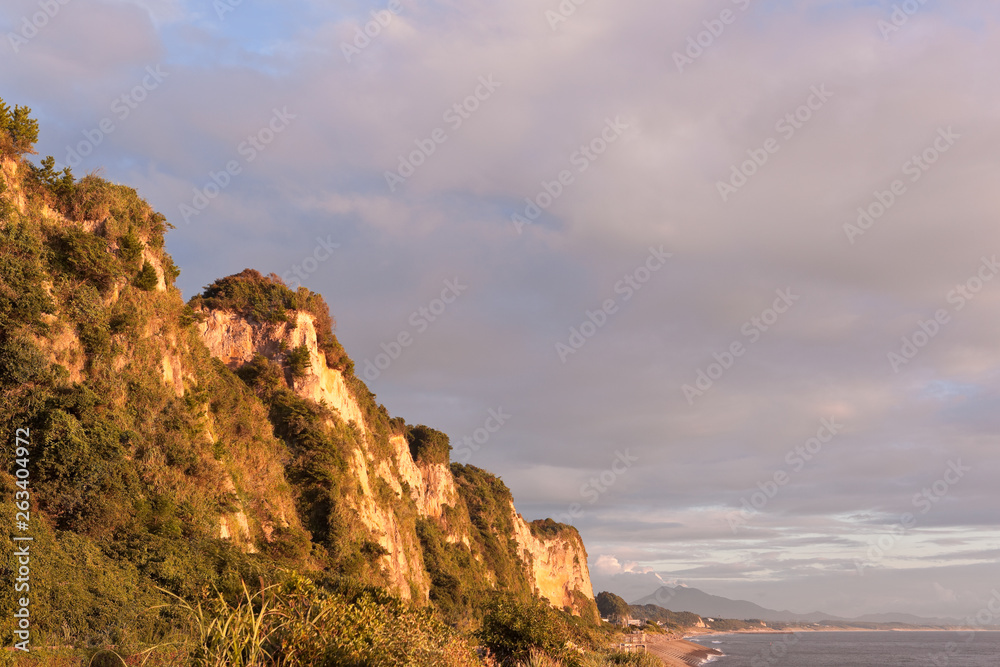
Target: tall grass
298 624
233 635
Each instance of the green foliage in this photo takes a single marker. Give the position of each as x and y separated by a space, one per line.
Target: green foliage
18 130
60 184
613 607
298 623
457 579
428 445
146 279
549 529
118 210
130 249
489 505
84 256
513 629
319 448
298 361
22 363
23 298
265 299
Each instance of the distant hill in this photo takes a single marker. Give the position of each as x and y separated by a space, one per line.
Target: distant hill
682 598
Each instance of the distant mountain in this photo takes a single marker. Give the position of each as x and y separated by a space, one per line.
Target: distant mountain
683 598
699 602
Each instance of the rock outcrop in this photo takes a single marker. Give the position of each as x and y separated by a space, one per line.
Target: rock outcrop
557 562
555 565
236 339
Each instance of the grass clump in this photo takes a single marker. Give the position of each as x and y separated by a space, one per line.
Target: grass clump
297 622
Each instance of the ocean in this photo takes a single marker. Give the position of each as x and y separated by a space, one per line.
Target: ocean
856 649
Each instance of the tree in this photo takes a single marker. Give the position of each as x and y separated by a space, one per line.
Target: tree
60 183
18 130
298 361
146 278
613 607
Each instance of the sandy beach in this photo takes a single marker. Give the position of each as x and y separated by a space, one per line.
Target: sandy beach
679 652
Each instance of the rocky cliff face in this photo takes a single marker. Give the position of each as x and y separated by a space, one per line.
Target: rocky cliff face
170 441
236 340
555 565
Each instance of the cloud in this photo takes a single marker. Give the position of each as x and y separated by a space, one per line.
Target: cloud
656 184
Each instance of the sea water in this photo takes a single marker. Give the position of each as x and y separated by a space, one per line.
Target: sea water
856 649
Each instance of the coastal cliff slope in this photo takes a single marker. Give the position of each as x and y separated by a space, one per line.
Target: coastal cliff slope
183 448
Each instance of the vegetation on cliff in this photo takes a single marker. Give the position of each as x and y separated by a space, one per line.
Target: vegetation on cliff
613 607
268 299
175 500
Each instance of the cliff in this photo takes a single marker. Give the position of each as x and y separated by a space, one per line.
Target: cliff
557 560
554 566
191 447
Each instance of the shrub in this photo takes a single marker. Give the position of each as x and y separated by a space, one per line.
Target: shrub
428 445
512 629
146 279
265 299
21 362
298 361
130 248
87 257
118 208
22 297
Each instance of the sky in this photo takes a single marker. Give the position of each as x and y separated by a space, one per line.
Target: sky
716 282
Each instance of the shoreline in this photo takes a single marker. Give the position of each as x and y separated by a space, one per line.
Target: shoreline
680 652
